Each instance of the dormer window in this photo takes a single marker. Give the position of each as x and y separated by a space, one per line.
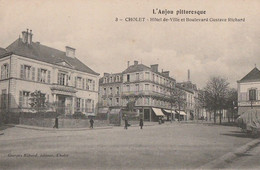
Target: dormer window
70 52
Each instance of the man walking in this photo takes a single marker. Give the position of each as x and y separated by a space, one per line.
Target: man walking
91 123
141 123
126 123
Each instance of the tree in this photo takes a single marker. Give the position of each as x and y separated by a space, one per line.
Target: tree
215 95
230 102
38 100
177 98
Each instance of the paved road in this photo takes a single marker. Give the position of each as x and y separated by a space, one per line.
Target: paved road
164 146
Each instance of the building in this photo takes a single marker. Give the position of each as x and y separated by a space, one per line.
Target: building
26 66
192 98
249 91
148 88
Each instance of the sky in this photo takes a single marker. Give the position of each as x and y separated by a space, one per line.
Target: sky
226 49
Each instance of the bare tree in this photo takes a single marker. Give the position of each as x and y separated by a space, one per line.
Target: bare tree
38 100
177 98
215 95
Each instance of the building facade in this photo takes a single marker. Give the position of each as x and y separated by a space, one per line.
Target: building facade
148 88
249 91
67 84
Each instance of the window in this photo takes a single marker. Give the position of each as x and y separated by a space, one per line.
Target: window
153 88
157 78
117 78
78 104
137 76
252 94
88 105
27 72
127 87
153 77
146 87
62 79
4 99
117 90
42 75
117 101
24 99
128 77
89 85
79 82
4 71
110 101
111 79
147 75
111 90
137 87
105 91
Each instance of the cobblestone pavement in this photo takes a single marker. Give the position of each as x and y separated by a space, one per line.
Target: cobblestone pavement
165 146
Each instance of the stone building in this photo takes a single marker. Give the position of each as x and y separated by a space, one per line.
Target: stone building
249 91
148 88
65 81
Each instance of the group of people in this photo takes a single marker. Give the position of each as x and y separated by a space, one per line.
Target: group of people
141 123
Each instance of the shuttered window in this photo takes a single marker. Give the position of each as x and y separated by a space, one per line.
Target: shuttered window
39 74
2 72
75 81
21 98
83 83
49 77
33 73
22 72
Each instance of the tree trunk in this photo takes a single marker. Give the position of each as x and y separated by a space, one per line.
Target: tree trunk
215 115
220 117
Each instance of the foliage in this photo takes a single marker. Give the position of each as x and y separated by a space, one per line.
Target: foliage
216 94
38 100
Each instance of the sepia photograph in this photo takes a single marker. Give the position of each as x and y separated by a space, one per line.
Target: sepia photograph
129 84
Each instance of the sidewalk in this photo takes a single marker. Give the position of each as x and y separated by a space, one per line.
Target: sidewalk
231 156
60 129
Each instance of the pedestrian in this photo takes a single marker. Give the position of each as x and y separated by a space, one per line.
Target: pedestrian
91 123
141 123
126 123
56 124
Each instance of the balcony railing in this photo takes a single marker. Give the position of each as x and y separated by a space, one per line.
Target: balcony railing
59 87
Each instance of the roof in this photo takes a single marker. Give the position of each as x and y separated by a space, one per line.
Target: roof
2 51
136 68
141 67
47 54
253 75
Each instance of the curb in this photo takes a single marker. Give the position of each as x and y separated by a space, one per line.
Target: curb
229 157
61 129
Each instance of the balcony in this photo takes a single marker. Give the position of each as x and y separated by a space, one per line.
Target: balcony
248 103
62 88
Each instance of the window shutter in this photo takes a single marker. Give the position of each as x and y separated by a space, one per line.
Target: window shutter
58 79
93 85
76 82
49 76
21 99
33 73
22 72
82 106
2 71
39 74
93 107
83 83
86 105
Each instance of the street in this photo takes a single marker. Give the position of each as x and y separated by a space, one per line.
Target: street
165 146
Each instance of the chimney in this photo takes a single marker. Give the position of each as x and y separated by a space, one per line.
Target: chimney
154 67
128 64
135 63
188 74
30 37
166 73
70 52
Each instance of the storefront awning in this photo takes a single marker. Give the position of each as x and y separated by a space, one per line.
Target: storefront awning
103 110
168 111
115 111
158 112
181 113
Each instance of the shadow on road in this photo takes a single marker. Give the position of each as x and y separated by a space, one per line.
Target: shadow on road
238 134
3 127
